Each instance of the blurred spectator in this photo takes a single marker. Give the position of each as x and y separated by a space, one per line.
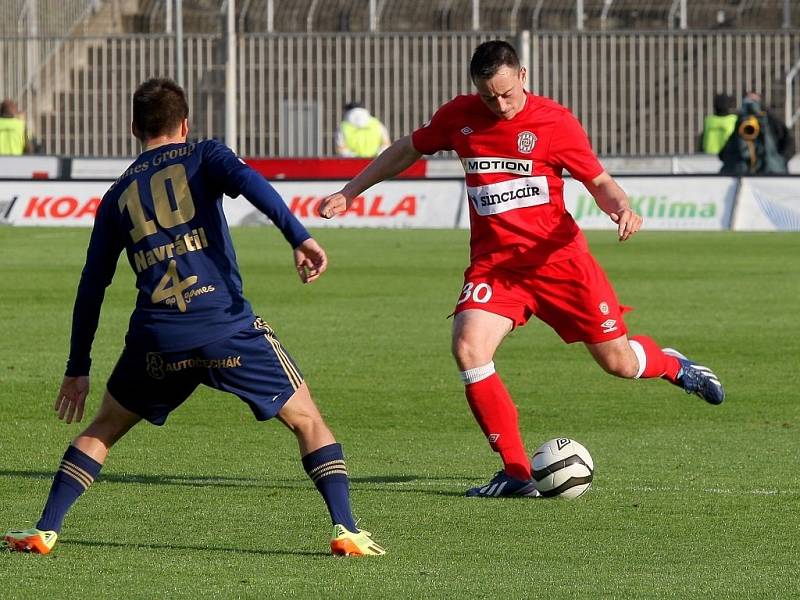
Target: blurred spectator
761 143
360 134
784 140
13 140
717 128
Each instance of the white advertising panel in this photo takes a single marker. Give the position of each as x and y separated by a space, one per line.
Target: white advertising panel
65 203
39 167
768 204
666 203
696 163
407 203
424 204
99 168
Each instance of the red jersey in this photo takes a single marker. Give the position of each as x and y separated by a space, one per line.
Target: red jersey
513 175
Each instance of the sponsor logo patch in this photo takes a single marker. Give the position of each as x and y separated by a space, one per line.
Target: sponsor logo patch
508 195
493 164
157 367
609 325
526 141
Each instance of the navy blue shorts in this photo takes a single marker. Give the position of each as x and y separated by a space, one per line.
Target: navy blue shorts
251 364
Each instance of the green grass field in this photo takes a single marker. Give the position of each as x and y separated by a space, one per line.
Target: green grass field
689 500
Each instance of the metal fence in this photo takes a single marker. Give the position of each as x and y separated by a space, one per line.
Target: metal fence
43 17
302 16
647 93
636 93
78 103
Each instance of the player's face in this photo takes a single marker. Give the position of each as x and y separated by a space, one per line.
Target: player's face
504 92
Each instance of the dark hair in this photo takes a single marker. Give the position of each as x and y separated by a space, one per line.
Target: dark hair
8 108
352 105
159 107
724 104
489 57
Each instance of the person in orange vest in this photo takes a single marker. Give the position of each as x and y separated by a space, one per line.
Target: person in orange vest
13 139
360 134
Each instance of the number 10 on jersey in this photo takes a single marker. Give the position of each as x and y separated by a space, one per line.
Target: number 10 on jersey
171 287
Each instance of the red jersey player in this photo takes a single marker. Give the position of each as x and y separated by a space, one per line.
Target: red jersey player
528 256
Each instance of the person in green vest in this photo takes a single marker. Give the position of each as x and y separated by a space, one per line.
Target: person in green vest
717 128
13 139
360 134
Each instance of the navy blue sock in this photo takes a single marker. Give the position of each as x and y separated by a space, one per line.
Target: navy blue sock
74 476
325 466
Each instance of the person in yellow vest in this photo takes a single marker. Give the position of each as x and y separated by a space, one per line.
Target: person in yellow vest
717 128
360 134
13 139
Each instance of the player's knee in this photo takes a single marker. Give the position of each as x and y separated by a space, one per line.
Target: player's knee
301 417
307 421
468 353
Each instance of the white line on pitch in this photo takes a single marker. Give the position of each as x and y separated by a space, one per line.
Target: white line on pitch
644 488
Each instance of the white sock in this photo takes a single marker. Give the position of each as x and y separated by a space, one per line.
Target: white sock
638 350
477 374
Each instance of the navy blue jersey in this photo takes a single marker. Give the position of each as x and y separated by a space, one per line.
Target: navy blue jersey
166 212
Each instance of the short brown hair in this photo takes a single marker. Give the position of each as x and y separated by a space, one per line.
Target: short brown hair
159 107
8 108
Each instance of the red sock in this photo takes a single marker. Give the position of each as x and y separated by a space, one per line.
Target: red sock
496 414
657 364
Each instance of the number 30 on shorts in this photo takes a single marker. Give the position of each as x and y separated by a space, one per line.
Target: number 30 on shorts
480 293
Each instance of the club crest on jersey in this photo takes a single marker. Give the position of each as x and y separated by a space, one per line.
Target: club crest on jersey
603 306
526 141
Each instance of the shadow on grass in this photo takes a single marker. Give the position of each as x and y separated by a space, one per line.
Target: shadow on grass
203 481
139 546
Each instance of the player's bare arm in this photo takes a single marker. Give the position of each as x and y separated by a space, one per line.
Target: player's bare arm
310 260
71 398
394 160
613 201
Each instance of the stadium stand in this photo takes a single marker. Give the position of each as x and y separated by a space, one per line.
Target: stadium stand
202 16
639 88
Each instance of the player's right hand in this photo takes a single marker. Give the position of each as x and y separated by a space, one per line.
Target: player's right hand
310 260
333 205
72 397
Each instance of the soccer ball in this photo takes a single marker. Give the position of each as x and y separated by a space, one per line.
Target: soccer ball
562 467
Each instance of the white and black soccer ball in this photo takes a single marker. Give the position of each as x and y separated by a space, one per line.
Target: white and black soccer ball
562 467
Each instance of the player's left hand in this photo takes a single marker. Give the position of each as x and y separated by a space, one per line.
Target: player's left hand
628 223
310 260
72 397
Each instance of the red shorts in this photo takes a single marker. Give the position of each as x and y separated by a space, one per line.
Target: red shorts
573 296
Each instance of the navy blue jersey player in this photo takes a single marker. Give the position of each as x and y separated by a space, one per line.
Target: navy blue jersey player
191 324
